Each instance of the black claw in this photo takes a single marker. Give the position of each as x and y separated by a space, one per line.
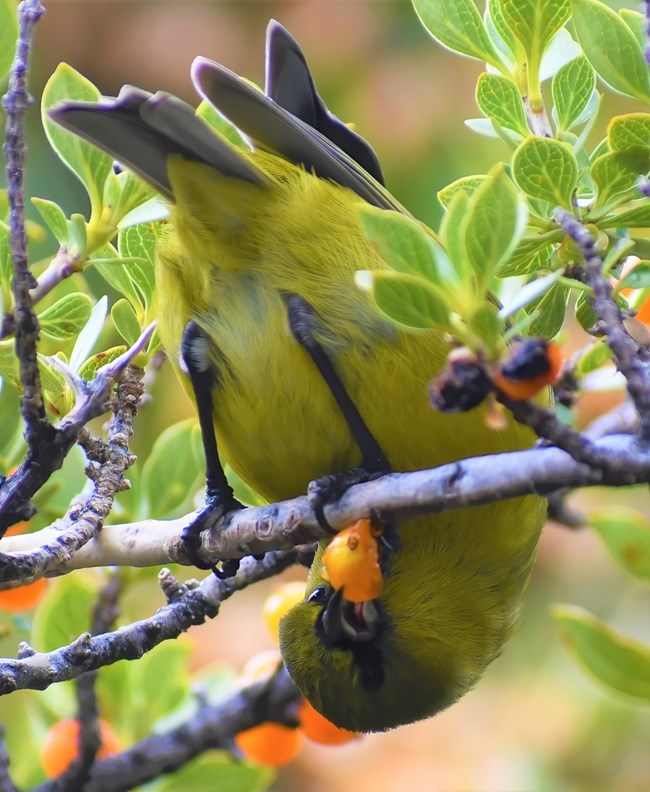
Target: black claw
330 488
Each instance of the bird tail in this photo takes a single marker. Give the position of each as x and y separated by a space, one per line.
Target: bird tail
144 131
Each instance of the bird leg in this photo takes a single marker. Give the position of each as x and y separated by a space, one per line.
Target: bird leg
219 494
302 321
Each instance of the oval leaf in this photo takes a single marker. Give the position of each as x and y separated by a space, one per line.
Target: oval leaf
615 661
626 533
87 162
572 88
546 169
501 102
66 317
405 299
457 25
612 48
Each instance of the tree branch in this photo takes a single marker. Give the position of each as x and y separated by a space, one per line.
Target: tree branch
283 525
196 603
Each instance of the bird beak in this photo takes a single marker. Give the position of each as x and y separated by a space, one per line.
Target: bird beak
344 621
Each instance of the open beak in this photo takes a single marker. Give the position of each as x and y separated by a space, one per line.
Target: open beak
344 621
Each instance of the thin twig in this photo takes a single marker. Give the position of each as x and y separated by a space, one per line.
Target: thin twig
108 477
631 360
30 476
212 727
6 784
16 102
39 670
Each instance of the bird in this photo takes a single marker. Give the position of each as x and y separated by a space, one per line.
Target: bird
297 377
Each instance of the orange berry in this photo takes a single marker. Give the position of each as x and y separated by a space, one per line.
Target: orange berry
643 314
270 744
23 598
351 562
260 666
18 528
533 365
279 602
61 745
317 728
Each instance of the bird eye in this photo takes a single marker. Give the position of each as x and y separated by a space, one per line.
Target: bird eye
319 595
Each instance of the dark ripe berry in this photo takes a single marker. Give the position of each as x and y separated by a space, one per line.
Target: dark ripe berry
531 366
463 385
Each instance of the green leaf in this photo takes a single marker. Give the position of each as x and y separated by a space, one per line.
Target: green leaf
530 255
611 47
615 661
54 218
501 102
171 475
618 172
487 324
139 244
584 312
495 221
66 317
597 356
87 162
125 321
546 169
89 368
636 22
497 20
534 23
457 25
636 216
452 231
636 278
631 131
402 242
209 114
6 260
8 36
77 235
549 313
218 771
572 88
168 661
405 299
466 184
626 533
64 613
114 270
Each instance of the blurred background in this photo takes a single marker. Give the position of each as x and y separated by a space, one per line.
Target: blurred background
535 723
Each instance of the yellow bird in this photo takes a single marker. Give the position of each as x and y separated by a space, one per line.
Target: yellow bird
301 377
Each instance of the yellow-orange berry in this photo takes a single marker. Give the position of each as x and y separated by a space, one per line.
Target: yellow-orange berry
351 562
317 728
279 602
23 598
61 745
270 744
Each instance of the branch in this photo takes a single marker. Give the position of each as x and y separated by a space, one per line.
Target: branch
6 784
283 525
196 603
212 727
17 489
16 102
631 360
107 474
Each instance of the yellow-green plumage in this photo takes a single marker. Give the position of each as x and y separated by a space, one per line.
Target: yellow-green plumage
242 237
456 587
